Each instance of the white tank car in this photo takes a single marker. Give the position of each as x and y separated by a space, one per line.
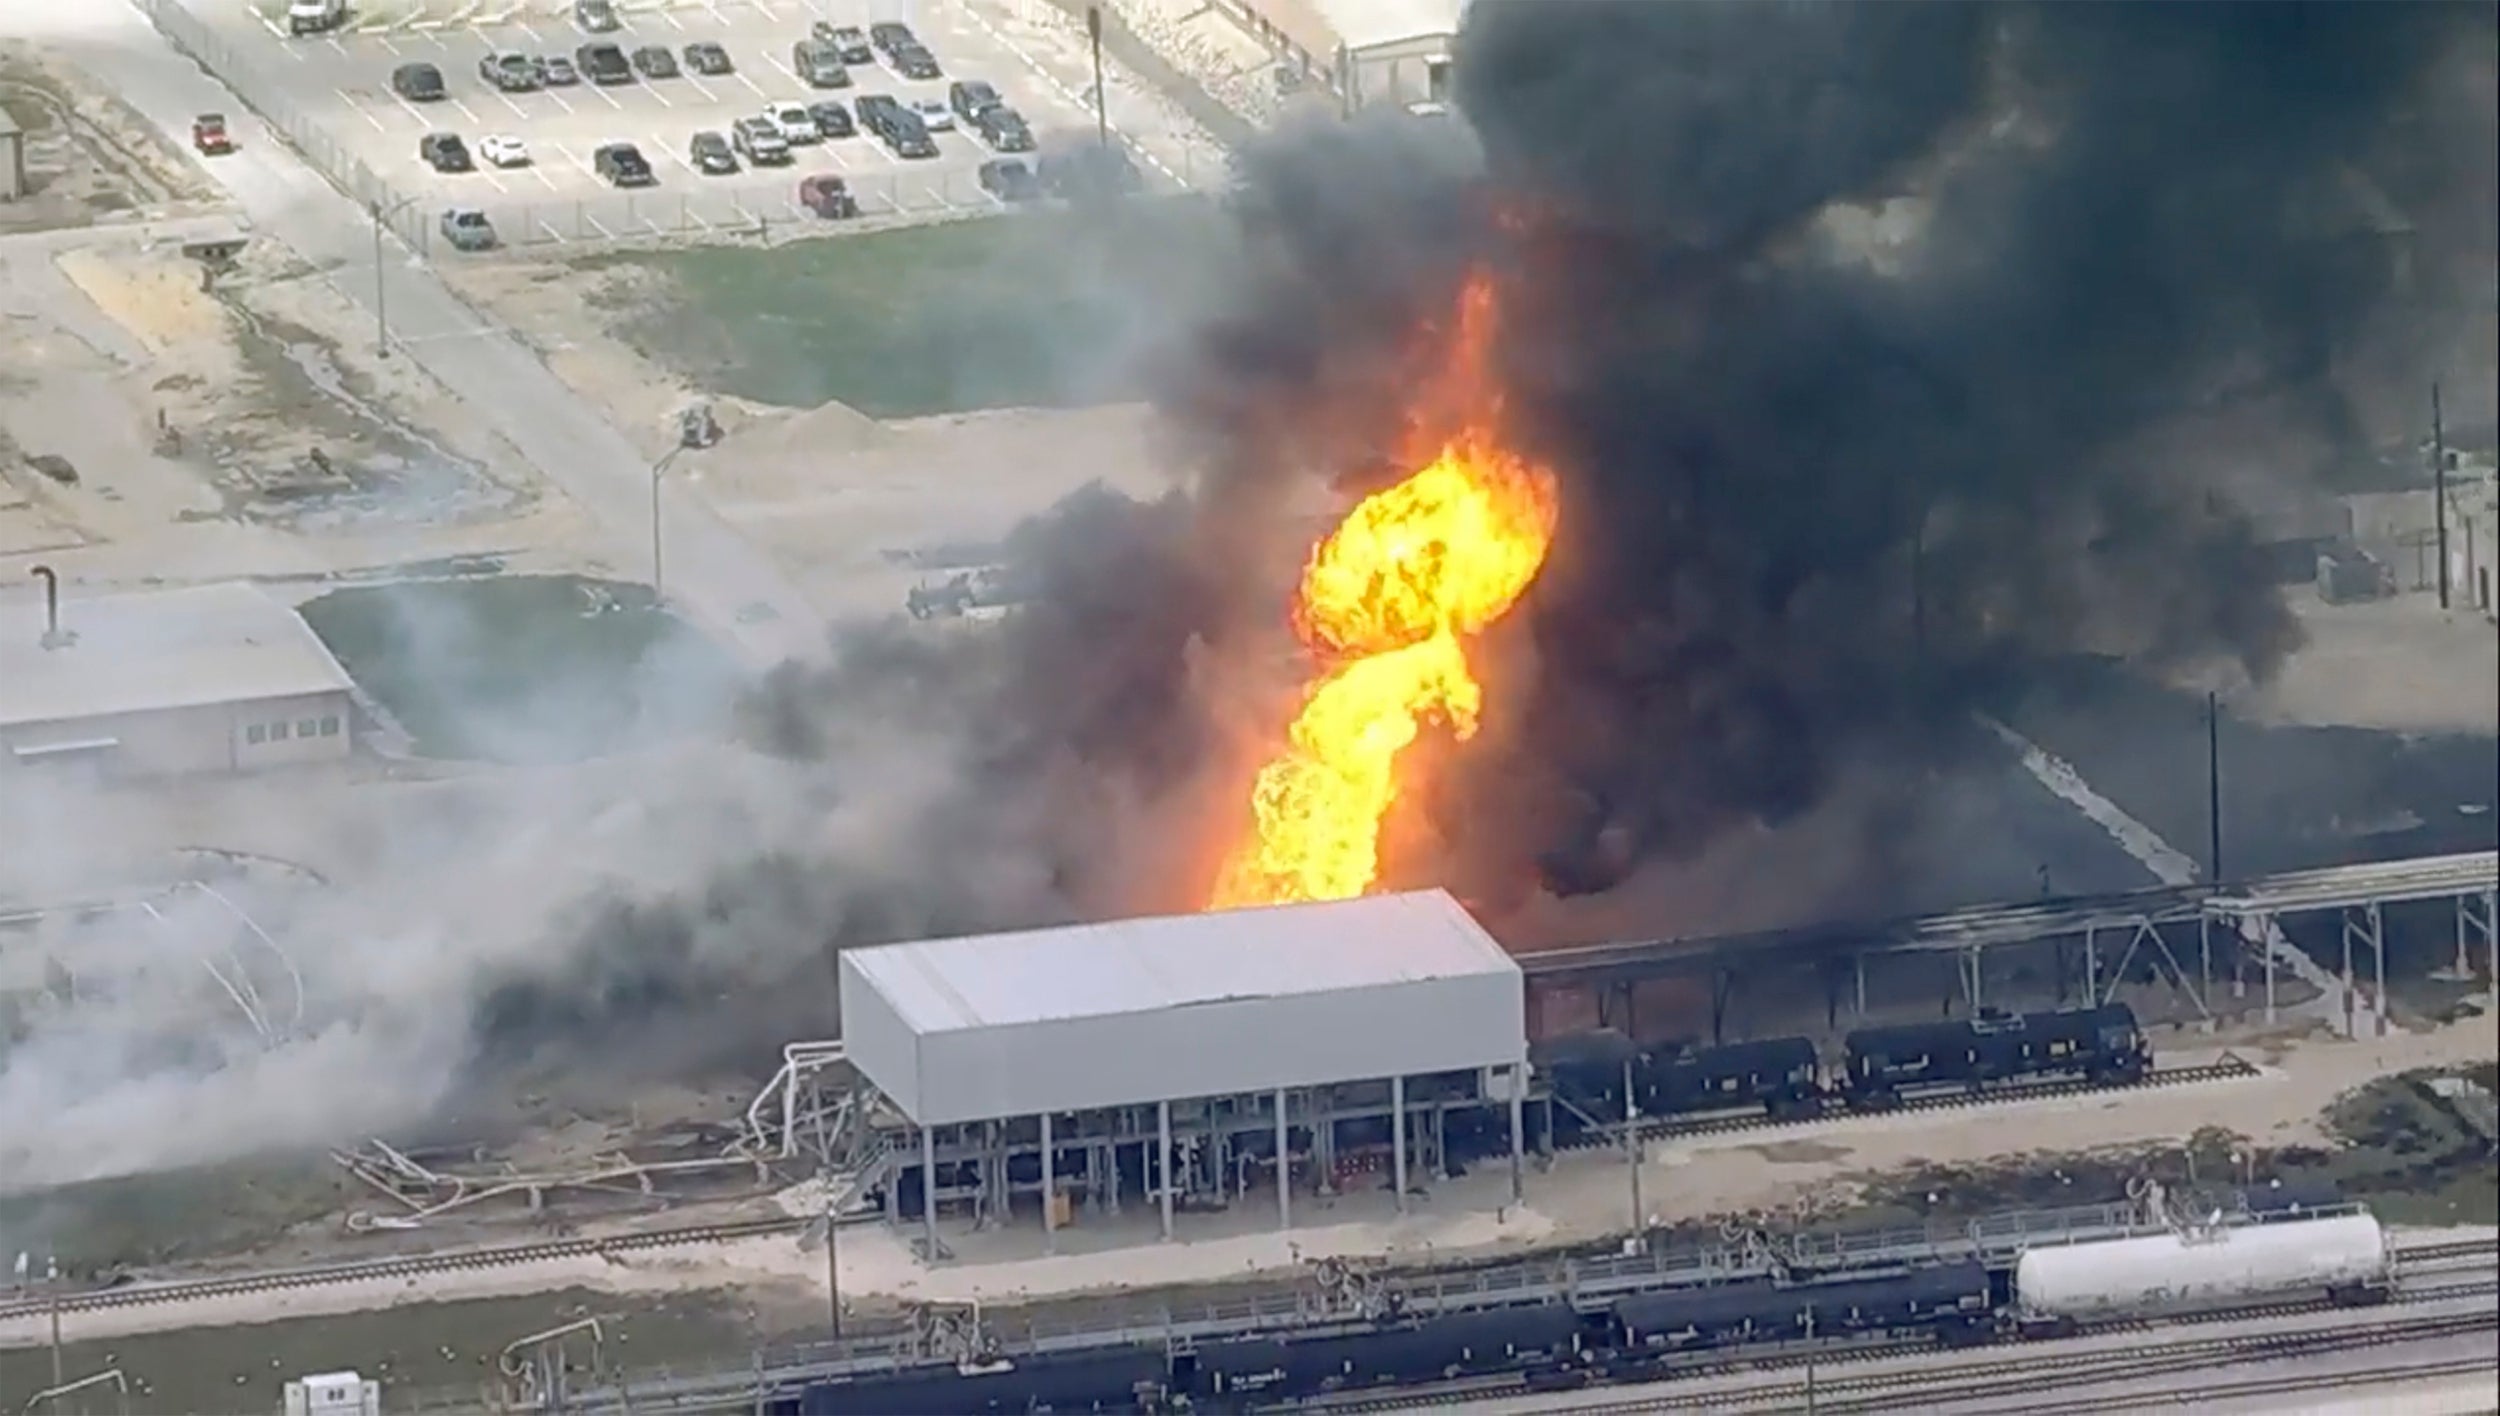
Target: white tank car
2343 1256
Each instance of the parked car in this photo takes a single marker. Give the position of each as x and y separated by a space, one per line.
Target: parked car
916 62
890 35
876 111
849 41
705 57
970 98
797 125
504 150
832 119
828 196
209 135
467 229
1009 180
759 140
909 138
934 116
623 165
1003 128
418 83
556 71
710 154
653 61
818 65
604 64
596 16
444 152
510 71
314 16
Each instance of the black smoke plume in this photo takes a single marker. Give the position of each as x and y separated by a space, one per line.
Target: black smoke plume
1882 350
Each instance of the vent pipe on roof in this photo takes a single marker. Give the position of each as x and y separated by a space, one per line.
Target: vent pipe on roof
53 638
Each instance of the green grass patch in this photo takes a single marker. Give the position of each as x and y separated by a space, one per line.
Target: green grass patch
525 669
1041 308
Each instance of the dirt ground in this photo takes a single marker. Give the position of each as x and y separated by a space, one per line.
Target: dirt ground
839 498
2400 664
88 157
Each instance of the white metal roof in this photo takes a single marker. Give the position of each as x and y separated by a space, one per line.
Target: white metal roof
1178 961
157 649
1244 1001
1362 24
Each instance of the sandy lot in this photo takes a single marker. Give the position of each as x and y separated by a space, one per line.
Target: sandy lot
88 157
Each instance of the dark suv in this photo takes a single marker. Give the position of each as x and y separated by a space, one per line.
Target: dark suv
970 98
891 35
604 64
623 165
418 83
1003 128
444 152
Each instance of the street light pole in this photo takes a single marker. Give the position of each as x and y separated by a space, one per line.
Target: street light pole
659 587
1102 114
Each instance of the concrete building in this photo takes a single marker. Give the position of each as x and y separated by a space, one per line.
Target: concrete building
1364 52
216 678
1086 1063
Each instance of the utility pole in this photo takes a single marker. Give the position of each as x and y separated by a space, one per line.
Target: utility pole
1632 1155
381 312
2439 491
1102 114
56 1332
2213 788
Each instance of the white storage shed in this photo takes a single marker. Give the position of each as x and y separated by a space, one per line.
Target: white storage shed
1245 1005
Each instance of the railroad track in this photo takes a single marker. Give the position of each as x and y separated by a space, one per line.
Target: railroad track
2273 1386
2230 1067
411 1266
2021 1372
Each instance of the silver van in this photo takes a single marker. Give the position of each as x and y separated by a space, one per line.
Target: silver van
467 229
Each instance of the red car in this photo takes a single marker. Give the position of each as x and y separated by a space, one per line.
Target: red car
828 196
208 134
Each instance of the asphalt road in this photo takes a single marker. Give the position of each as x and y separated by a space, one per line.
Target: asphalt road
713 575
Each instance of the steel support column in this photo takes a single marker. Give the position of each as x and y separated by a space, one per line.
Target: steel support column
2091 967
928 1193
2364 924
1969 960
1518 1130
1050 1191
1163 1133
1632 1149
1857 961
2264 925
1397 1136
1284 1167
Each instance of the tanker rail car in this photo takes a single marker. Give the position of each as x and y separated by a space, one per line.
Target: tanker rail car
2051 1290
1784 1077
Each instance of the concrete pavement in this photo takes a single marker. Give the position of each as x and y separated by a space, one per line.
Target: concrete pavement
713 575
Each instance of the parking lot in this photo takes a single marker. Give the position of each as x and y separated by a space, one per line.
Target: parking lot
342 81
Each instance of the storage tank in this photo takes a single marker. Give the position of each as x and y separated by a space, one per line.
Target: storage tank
2309 1257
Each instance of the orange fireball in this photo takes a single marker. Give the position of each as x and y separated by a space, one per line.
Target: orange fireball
1388 602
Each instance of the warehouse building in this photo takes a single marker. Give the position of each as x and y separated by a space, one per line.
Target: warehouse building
215 678
1084 1064
1364 52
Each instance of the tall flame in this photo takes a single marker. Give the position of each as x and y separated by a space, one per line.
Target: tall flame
1387 602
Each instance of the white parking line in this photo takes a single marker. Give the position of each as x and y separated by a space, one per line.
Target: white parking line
602 91
558 100
487 171
465 111
697 85
350 100
741 76
543 179
674 22
517 110
769 12
570 159
781 69
679 158
663 98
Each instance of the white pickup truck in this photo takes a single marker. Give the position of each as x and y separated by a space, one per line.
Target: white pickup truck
315 16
